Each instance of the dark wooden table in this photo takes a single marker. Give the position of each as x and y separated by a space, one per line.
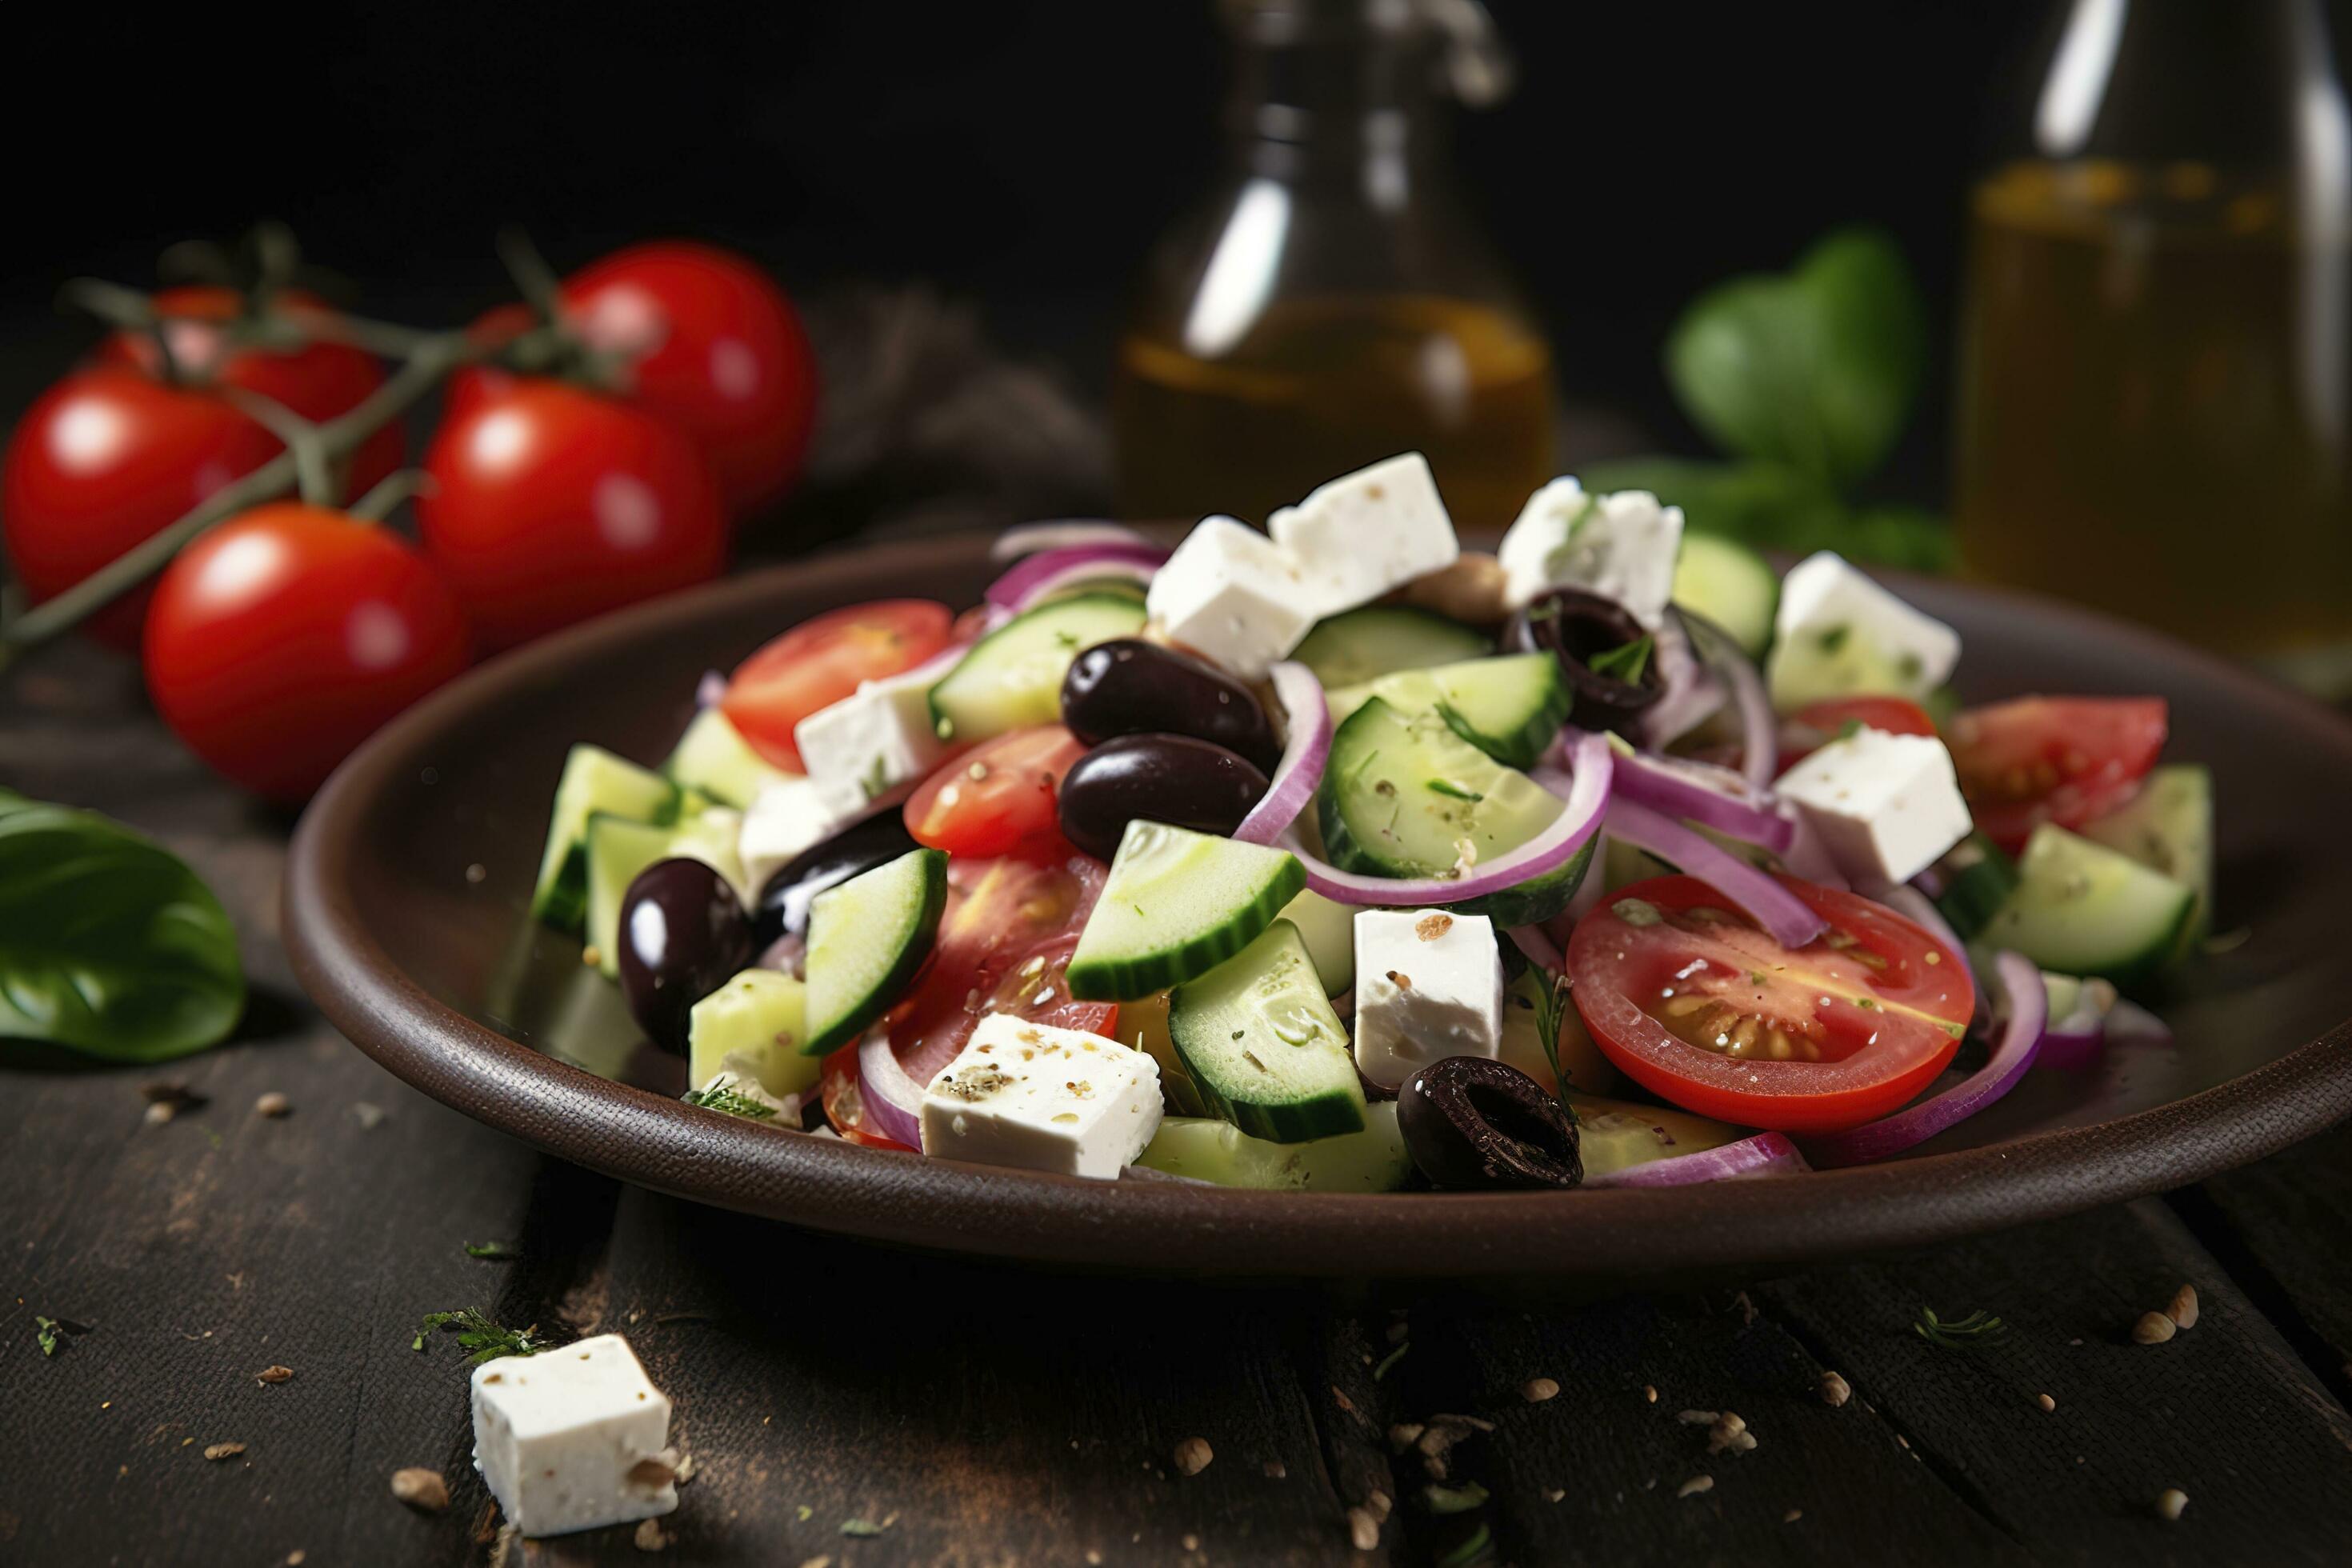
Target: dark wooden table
982 1416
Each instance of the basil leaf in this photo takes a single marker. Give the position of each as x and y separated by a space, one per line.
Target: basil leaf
1816 368
108 943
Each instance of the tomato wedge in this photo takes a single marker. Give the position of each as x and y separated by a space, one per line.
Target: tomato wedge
1816 724
819 662
1690 1000
2066 760
997 797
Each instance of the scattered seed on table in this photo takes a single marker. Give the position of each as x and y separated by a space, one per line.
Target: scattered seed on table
1379 1504
1192 1455
1403 1435
650 1536
421 1489
1363 1530
273 1104
2183 1311
1276 1470
1835 1391
2170 1502
1650 1393
220 1450
1698 1417
2044 1401
159 1111
591 956
1695 1486
1554 1494
370 1115
1794 1515
476 871
2154 1328
1538 1389
274 1374
1191 1542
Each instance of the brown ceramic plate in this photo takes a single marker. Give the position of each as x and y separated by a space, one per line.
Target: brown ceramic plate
404 911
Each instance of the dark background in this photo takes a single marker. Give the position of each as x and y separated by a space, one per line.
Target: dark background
1019 155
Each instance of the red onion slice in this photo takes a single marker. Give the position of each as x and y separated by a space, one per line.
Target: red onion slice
1041 574
2129 1024
2013 1051
1709 796
1692 695
1061 533
1784 917
1586 796
1759 736
1300 771
894 1100
708 689
1766 1154
1538 947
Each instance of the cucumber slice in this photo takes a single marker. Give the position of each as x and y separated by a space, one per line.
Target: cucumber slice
594 782
1727 582
1013 677
1209 1150
1263 1047
1402 795
713 759
1329 930
618 849
866 938
1978 877
1511 708
2081 907
752 1026
2169 827
1613 1134
1177 904
1363 645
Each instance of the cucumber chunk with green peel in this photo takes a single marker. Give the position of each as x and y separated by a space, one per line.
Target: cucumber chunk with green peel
595 782
754 1024
1614 1135
1403 795
619 850
2081 907
1511 708
2168 826
1978 877
1329 930
1210 1150
1363 645
713 759
1722 581
1263 1046
866 938
1012 678
1176 905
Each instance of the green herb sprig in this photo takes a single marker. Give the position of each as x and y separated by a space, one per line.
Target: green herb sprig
718 1097
45 1332
485 1339
1551 1016
1625 663
1980 1328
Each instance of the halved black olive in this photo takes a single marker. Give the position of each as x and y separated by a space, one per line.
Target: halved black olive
783 908
1471 1121
1576 627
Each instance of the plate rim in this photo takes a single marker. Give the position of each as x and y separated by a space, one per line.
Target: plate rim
1183 1228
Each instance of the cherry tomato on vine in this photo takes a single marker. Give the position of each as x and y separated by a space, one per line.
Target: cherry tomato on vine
105 457
821 661
550 504
317 381
283 638
708 343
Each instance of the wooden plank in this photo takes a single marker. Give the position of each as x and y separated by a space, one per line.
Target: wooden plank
2284 1230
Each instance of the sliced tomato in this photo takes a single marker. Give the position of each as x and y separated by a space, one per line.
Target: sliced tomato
2067 760
819 662
1817 724
845 1101
997 797
1690 1000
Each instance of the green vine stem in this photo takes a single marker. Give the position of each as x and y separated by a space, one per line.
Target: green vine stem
533 277
388 492
314 466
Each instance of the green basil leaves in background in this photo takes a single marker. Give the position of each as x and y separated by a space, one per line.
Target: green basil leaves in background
1808 378
108 945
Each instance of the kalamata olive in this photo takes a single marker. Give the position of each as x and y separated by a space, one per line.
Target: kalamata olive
1576 627
683 934
783 908
1471 1121
1132 688
1175 779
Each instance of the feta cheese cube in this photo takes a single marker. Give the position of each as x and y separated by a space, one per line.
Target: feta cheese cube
1233 595
1429 984
1884 807
1620 546
870 742
1837 633
785 818
1043 1099
1371 531
558 1437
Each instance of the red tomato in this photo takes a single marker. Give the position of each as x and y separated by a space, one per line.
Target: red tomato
997 795
105 457
550 504
1690 1000
2067 760
281 639
708 343
1817 724
317 381
819 662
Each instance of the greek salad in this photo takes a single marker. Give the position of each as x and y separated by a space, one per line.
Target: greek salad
1333 857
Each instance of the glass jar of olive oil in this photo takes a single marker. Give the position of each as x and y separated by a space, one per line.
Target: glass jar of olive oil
1327 306
2156 405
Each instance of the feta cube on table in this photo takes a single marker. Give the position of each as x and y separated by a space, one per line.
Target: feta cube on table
1043 1099
1884 807
1621 546
1361 535
1429 984
560 1437
1839 634
1233 595
870 742
784 818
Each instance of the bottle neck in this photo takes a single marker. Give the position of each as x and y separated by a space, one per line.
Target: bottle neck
1337 104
